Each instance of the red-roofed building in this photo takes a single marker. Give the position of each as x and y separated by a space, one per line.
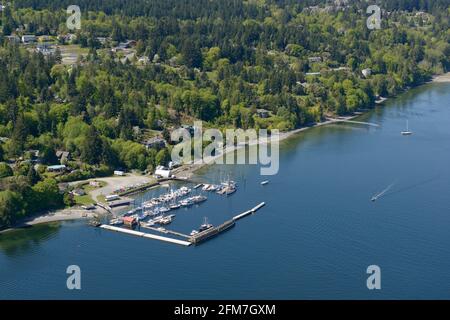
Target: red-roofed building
129 221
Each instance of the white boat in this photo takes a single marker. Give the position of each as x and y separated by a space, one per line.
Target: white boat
205 226
186 202
407 132
265 182
164 209
116 222
166 220
194 232
199 199
175 206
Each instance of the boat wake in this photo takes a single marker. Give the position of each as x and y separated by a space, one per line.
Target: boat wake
416 185
382 193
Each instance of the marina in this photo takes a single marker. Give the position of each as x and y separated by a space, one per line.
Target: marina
205 232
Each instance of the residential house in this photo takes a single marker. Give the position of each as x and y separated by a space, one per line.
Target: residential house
30 38
57 168
315 59
155 143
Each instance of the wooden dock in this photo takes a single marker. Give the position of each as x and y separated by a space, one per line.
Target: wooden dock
120 203
145 235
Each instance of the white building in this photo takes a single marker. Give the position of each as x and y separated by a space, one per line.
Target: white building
162 172
28 38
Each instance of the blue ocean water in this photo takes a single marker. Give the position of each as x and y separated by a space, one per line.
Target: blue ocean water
314 239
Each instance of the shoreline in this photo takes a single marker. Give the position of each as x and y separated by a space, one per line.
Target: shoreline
442 78
190 169
187 171
54 216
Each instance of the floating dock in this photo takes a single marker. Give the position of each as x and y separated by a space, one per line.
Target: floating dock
145 235
251 211
120 203
209 233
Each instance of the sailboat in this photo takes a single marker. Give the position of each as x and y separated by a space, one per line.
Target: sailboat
407 132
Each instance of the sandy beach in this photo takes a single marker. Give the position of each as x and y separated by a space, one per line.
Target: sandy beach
59 215
442 78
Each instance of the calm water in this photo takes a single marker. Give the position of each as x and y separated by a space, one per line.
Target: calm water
314 239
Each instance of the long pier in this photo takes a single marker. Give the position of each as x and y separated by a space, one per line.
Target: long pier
145 235
251 211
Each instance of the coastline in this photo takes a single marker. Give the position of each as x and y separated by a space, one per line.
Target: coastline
54 216
443 78
188 170
185 171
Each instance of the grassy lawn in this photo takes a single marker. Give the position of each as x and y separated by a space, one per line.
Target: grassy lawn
87 199
83 200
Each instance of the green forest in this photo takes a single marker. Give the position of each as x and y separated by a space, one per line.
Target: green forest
217 61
